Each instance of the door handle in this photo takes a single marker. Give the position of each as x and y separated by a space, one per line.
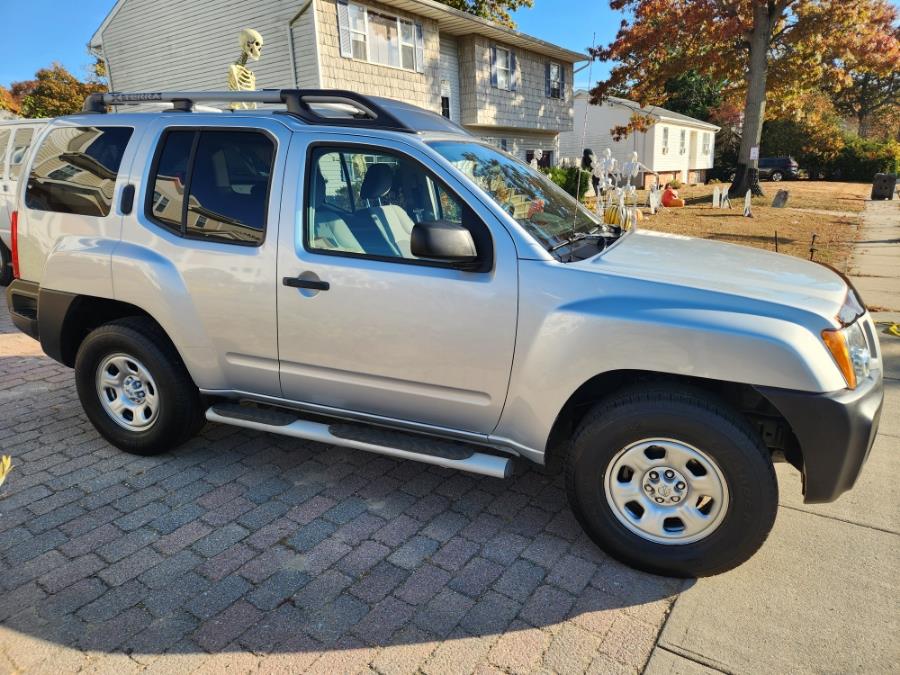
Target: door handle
313 284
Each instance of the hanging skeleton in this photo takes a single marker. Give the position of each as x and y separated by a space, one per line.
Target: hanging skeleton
240 77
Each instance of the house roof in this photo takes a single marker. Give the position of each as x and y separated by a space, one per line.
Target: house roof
451 21
654 111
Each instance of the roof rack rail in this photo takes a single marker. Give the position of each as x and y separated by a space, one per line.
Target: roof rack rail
307 104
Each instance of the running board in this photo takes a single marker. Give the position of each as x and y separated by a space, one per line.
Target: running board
390 442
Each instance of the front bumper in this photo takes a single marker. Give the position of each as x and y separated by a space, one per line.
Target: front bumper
835 431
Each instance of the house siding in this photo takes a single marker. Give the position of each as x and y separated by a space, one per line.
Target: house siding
155 45
526 108
450 73
338 72
306 53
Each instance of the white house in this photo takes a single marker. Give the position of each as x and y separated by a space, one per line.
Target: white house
675 146
502 85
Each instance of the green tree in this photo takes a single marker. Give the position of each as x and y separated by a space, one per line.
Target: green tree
693 94
493 10
54 92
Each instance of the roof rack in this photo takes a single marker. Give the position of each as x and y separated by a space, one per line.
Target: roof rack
310 105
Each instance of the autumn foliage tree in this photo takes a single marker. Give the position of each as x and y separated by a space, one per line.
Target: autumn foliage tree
53 92
762 51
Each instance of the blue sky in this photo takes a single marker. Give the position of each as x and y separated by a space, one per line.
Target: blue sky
61 30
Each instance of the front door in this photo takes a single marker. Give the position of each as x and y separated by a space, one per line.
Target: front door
376 330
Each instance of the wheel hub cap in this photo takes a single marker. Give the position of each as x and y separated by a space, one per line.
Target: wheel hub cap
127 392
666 491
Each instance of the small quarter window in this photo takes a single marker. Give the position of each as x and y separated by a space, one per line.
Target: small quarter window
226 177
20 145
4 141
75 170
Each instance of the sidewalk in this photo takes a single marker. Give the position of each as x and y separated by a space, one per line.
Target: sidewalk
823 593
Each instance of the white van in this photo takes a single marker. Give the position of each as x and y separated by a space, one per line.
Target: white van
16 139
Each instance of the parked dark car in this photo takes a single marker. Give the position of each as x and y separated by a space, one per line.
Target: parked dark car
778 168
775 169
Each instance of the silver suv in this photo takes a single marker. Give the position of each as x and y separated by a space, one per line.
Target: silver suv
363 273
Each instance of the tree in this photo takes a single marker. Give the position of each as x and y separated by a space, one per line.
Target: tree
760 50
813 134
693 94
493 10
53 93
8 102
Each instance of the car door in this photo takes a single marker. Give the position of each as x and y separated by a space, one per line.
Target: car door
202 241
376 330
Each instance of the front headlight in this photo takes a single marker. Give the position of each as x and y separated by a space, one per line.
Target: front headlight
848 344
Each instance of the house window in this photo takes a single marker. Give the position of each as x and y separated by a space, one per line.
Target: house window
503 145
682 142
665 140
705 143
445 106
504 70
555 81
380 38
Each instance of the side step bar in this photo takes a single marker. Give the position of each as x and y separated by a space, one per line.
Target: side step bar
399 444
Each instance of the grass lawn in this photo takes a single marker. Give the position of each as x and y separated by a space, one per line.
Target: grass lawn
825 208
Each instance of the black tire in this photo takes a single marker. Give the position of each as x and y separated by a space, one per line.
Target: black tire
776 176
180 414
6 272
692 417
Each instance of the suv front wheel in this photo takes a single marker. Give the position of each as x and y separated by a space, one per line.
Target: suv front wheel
672 481
135 389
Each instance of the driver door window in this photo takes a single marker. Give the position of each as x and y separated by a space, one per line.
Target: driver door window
364 203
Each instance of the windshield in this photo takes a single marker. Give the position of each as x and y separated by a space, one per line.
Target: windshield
545 210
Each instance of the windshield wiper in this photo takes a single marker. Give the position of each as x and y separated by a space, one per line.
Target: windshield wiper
577 236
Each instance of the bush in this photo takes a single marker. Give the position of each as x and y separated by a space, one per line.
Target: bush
861 159
567 178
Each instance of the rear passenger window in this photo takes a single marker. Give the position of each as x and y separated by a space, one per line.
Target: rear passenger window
21 144
75 168
4 141
226 176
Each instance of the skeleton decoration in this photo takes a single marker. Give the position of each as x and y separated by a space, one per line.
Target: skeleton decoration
241 78
607 170
716 197
536 159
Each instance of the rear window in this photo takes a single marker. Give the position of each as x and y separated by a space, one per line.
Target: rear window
4 141
20 145
225 175
75 169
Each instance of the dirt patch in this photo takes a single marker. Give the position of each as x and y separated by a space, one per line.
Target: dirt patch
834 226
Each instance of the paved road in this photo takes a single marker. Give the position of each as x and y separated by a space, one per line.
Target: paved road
256 553
823 595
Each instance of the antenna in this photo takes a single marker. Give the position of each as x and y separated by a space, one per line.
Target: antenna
583 136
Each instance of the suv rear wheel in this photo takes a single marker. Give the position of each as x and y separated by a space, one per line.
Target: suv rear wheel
777 176
6 273
135 389
672 481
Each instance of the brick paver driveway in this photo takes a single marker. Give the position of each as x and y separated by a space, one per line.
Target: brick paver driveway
250 552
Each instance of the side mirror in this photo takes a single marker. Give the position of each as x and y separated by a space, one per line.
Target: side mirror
445 241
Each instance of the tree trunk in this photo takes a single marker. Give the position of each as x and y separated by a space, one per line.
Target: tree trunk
862 120
747 174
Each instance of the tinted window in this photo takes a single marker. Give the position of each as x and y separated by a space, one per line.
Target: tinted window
226 175
367 203
4 141
21 143
75 169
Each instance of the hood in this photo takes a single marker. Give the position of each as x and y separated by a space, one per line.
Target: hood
724 268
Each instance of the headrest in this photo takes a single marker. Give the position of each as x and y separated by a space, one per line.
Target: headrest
378 181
